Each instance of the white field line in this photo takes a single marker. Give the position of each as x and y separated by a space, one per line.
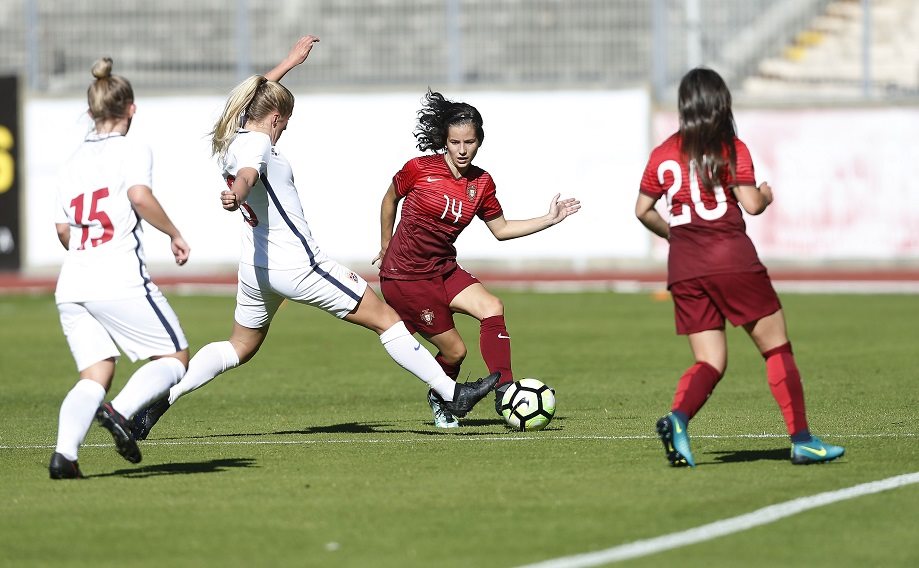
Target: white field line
724 527
435 439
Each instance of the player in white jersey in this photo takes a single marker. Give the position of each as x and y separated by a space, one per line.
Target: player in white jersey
104 294
280 260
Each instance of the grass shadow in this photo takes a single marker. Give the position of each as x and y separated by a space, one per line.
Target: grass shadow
751 455
210 466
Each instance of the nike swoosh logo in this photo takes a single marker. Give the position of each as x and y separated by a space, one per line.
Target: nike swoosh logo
417 346
677 425
433 179
821 452
502 336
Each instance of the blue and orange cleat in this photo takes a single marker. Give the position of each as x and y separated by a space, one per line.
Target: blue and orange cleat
672 432
814 451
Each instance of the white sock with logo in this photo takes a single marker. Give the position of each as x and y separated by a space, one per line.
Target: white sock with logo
148 384
208 362
411 356
76 416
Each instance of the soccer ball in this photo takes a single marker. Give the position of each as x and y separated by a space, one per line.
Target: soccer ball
528 404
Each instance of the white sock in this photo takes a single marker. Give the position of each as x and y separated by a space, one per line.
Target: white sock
149 383
76 416
208 362
411 356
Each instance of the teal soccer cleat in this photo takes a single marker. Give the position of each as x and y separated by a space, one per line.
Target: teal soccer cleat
814 451
442 416
672 432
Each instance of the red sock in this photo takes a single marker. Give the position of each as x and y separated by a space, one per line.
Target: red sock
495 344
785 382
451 370
694 388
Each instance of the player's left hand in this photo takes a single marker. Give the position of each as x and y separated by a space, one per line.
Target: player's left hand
228 200
180 250
559 209
301 50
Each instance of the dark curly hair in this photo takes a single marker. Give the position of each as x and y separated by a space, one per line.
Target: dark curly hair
707 124
437 115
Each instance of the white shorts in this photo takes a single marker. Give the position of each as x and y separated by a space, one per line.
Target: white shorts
142 327
328 286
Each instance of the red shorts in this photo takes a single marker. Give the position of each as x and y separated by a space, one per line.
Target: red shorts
701 304
424 305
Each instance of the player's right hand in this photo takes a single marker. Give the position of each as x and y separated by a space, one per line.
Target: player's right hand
180 250
228 200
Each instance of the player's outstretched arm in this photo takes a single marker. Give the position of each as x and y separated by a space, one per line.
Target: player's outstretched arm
298 54
559 210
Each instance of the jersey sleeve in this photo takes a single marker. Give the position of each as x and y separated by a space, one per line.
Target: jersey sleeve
491 207
745 173
249 151
404 180
650 185
138 167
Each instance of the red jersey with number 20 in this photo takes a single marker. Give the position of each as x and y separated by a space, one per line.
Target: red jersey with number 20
707 231
436 209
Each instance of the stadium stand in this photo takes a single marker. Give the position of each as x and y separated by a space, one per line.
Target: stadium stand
828 58
774 48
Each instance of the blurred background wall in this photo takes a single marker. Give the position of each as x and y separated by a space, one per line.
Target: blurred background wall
575 93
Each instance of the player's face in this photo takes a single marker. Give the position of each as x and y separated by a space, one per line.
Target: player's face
278 126
462 144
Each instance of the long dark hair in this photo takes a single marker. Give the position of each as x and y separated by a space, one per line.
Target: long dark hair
437 115
707 124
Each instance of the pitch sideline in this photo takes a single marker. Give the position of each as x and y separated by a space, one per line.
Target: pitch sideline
443 438
725 527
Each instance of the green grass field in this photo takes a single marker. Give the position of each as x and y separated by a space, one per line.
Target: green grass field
321 451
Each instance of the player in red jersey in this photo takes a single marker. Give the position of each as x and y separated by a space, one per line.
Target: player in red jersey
419 275
713 271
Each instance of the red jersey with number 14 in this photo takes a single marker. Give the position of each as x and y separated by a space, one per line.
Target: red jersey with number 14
436 209
707 231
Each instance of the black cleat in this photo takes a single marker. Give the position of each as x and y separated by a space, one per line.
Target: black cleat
144 420
111 420
467 395
62 468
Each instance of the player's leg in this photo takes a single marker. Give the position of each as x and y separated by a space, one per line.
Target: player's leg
422 305
451 350
698 318
95 355
256 304
771 338
374 314
769 335
468 296
219 357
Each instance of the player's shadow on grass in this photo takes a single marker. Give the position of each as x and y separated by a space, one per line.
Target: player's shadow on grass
210 466
780 454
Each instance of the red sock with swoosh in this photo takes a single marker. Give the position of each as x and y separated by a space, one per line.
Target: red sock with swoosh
694 388
495 345
785 383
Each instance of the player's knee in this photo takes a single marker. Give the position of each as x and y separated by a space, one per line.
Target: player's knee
492 306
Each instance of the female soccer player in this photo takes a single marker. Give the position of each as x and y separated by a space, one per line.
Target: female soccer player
280 259
419 275
104 294
713 270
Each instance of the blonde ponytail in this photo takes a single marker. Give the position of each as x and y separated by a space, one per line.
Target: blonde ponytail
253 99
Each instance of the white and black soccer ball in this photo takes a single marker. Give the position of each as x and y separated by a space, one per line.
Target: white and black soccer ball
528 404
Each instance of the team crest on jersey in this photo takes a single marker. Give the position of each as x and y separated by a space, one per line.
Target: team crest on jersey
353 277
470 191
427 316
